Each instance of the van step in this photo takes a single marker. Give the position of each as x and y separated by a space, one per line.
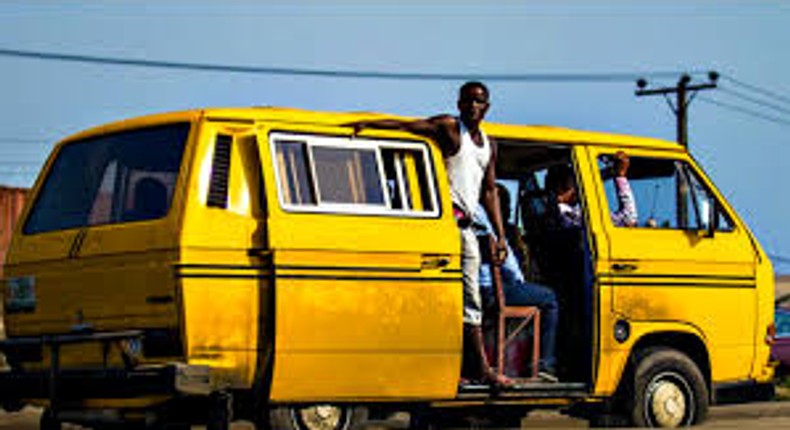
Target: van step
524 389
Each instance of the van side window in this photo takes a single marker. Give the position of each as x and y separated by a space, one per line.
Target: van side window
297 186
407 182
119 177
700 203
668 194
347 175
336 174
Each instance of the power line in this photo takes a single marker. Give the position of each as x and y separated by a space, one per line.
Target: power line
745 111
757 89
9 140
755 100
19 166
289 71
779 258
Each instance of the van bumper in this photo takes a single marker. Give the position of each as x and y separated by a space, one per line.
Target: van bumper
58 384
165 380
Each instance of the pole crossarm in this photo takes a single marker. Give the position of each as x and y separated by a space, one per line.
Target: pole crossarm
685 94
671 90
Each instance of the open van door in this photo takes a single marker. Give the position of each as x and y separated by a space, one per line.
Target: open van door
367 267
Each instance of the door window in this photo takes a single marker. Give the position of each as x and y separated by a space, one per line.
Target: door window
334 174
668 194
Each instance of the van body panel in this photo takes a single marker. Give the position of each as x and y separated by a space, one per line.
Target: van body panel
681 275
224 285
360 295
66 302
614 355
763 370
105 271
365 376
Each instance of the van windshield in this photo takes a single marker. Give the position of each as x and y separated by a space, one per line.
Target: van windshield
120 177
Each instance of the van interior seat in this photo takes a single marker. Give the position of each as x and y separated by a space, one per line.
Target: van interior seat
504 313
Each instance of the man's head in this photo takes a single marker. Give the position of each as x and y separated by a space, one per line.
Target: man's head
560 181
473 102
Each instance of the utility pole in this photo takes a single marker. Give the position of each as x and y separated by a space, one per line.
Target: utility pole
682 89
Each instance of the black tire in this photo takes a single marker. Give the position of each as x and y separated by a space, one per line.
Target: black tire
219 412
318 417
668 390
48 422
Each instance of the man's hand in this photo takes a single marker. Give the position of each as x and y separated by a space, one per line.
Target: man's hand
501 251
621 163
357 127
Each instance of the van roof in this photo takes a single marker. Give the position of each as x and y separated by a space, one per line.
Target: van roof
536 133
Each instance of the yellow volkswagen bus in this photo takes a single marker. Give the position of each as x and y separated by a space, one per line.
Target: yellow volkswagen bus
263 264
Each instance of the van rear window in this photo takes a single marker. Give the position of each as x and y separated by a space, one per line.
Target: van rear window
120 177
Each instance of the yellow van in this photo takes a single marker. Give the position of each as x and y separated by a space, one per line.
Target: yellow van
264 264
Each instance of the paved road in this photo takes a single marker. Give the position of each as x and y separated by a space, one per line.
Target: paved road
769 415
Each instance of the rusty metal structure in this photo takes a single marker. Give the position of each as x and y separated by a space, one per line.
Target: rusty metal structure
12 200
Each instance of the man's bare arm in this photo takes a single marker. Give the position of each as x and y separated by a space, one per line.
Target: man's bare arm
436 128
491 204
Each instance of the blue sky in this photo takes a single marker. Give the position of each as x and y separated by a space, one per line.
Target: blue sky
42 101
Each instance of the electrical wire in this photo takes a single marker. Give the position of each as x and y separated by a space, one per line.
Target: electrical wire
289 71
754 100
757 89
745 111
779 258
15 140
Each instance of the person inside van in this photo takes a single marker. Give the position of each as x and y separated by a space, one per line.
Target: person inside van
519 292
470 160
561 182
150 200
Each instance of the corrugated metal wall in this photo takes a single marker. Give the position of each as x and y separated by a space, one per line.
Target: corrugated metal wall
12 200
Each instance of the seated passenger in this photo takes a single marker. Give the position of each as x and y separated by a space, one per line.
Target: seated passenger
150 201
519 292
561 182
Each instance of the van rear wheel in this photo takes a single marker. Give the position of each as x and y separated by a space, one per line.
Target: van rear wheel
317 417
669 390
48 421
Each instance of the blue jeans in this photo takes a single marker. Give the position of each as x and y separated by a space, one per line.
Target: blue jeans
528 294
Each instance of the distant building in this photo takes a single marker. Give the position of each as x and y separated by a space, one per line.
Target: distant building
12 200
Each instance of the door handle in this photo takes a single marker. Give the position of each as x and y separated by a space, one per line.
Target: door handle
624 267
159 300
435 261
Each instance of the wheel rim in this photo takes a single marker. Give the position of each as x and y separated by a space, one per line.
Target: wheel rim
321 417
669 401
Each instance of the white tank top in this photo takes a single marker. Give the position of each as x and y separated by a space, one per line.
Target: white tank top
466 169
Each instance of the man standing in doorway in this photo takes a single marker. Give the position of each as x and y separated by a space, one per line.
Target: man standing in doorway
469 157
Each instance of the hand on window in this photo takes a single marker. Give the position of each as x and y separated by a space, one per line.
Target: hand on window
621 163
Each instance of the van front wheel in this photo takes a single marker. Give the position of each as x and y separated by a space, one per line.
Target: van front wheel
317 417
669 390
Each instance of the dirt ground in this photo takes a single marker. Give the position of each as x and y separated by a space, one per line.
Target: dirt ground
767 415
